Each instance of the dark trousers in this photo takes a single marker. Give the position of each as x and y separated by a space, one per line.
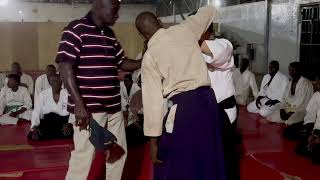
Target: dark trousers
51 126
231 141
293 132
134 133
312 153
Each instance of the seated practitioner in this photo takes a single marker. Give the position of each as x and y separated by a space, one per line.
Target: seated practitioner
271 93
243 80
2 80
134 131
127 89
42 82
25 79
50 116
310 145
296 98
303 129
15 102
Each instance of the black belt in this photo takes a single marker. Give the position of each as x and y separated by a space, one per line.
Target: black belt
228 103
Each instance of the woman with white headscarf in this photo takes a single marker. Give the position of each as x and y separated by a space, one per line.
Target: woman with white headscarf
218 56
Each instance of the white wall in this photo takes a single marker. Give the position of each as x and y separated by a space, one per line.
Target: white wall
43 12
245 24
284 34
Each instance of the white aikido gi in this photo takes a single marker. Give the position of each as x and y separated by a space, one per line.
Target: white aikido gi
275 91
296 103
221 75
25 79
242 83
21 98
45 104
313 111
42 83
126 98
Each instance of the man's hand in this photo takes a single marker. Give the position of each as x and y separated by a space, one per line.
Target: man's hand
17 113
13 114
271 102
313 140
258 101
35 133
154 151
83 117
130 65
67 129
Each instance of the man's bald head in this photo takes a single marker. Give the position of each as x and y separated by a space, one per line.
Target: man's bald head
105 12
147 24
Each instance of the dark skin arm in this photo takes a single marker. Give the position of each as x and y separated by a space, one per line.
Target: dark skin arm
154 150
15 114
130 65
82 115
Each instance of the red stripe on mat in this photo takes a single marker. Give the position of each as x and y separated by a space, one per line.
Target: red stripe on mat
38 158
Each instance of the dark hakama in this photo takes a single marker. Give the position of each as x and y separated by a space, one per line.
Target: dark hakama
51 126
194 151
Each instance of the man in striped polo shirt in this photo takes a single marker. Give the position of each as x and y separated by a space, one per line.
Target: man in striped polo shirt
89 57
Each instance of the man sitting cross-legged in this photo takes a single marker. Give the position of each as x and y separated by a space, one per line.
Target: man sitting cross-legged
15 102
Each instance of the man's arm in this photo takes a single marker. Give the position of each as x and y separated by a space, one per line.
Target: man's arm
37 111
200 22
130 65
68 53
68 79
152 104
152 97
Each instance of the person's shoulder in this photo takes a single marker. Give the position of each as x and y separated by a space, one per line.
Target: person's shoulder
280 74
23 89
306 81
78 25
266 76
74 24
147 58
27 77
41 77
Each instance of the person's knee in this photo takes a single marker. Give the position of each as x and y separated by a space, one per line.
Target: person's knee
241 102
252 107
264 112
